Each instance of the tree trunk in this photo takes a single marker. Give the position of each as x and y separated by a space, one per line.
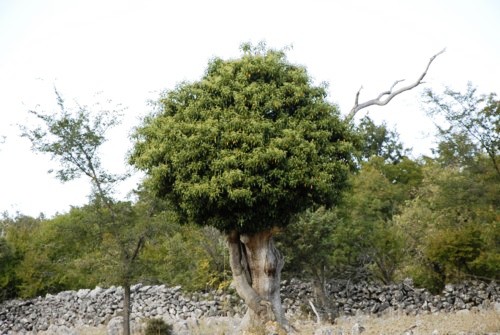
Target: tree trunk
256 265
320 293
126 309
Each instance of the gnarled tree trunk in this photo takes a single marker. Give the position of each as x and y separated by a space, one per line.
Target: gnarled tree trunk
256 265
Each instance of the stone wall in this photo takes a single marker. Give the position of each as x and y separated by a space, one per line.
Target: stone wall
99 306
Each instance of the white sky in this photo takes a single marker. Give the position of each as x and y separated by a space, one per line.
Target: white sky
131 50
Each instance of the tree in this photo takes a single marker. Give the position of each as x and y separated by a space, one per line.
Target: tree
378 140
8 262
366 238
188 255
309 242
471 125
452 226
18 232
73 137
244 149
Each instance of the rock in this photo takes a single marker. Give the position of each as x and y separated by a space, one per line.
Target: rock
115 326
61 330
463 312
325 331
357 329
82 293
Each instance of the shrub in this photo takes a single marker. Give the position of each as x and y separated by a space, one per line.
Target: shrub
158 327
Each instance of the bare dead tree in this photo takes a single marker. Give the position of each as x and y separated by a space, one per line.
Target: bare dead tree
386 96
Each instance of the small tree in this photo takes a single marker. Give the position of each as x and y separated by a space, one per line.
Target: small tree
308 243
73 138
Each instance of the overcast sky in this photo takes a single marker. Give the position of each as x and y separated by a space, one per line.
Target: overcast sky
132 50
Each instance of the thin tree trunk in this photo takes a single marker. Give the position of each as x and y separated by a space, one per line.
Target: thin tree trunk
126 309
256 265
320 293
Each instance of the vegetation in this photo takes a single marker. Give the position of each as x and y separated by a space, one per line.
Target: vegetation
253 151
73 137
158 327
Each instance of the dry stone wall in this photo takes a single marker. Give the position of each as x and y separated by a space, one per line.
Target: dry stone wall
70 309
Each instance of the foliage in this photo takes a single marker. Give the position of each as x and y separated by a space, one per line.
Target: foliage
75 250
191 256
377 140
455 248
158 327
73 137
247 146
472 125
8 263
357 239
308 242
368 242
20 231
452 225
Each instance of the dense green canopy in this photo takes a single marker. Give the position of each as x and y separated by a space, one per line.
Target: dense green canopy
250 144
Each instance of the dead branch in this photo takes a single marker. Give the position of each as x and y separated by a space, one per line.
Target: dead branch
389 94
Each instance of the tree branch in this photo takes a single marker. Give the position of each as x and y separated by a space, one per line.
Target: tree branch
380 101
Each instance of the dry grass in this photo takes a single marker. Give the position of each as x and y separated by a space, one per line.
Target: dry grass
483 322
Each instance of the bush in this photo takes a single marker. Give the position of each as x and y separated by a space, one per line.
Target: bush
158 327
425 276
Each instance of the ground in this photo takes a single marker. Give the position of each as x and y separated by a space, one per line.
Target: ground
463 323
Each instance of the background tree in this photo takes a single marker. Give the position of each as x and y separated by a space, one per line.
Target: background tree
452 223
452 226
379 191
378 140
469 124
7 270
243 149
188 255
308 243
73 138
18 232
357 239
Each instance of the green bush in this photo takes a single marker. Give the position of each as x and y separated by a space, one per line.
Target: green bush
425 276
158 327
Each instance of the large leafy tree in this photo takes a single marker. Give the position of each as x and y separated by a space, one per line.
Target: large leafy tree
244 149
